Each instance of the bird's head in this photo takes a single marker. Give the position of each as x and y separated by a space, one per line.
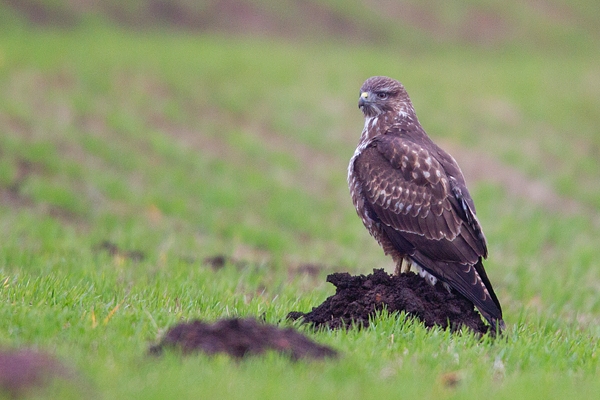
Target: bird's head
380 94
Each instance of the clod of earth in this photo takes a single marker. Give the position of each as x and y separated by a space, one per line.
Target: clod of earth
309 269
219 261
240 338
216 262
357 298
116 251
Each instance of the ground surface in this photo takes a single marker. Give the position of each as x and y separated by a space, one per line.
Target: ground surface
155 175
358 299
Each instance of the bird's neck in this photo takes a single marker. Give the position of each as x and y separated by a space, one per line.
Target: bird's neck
380 124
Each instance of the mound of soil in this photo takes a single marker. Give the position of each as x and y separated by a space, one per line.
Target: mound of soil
22 370
359 297
240 338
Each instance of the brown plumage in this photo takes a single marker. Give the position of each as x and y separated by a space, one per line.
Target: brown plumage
412 197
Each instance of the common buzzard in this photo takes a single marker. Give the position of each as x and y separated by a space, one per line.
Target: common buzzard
412 197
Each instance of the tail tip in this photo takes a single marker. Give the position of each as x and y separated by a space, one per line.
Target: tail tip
498 325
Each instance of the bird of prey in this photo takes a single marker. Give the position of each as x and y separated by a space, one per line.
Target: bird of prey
412 197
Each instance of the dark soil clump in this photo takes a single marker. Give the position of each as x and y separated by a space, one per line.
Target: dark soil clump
116 251
359 297
219 261
240 338
23 370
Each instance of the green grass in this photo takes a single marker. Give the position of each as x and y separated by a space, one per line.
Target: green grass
185 146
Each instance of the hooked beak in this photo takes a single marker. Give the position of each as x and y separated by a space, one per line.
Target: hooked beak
363 99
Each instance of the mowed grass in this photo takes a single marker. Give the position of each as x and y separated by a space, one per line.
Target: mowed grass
181 147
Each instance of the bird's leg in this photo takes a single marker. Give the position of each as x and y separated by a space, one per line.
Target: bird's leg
402 266
405 266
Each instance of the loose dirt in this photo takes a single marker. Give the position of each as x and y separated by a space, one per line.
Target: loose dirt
358 298
240 338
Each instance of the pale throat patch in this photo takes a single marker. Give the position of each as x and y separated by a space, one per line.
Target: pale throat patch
369 122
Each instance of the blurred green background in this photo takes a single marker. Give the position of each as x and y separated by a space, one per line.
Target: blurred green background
139 138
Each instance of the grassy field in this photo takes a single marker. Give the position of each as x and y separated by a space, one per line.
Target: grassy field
169 148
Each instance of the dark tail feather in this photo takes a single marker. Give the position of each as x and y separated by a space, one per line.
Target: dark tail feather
472 282
484 278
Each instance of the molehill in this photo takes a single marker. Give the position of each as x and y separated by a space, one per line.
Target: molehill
359 297
240 338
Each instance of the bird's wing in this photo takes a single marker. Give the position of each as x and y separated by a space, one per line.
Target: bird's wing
409 191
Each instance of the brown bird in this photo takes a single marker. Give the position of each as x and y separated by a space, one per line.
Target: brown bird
412 197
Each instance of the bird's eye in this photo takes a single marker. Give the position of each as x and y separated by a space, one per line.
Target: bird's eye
382 95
